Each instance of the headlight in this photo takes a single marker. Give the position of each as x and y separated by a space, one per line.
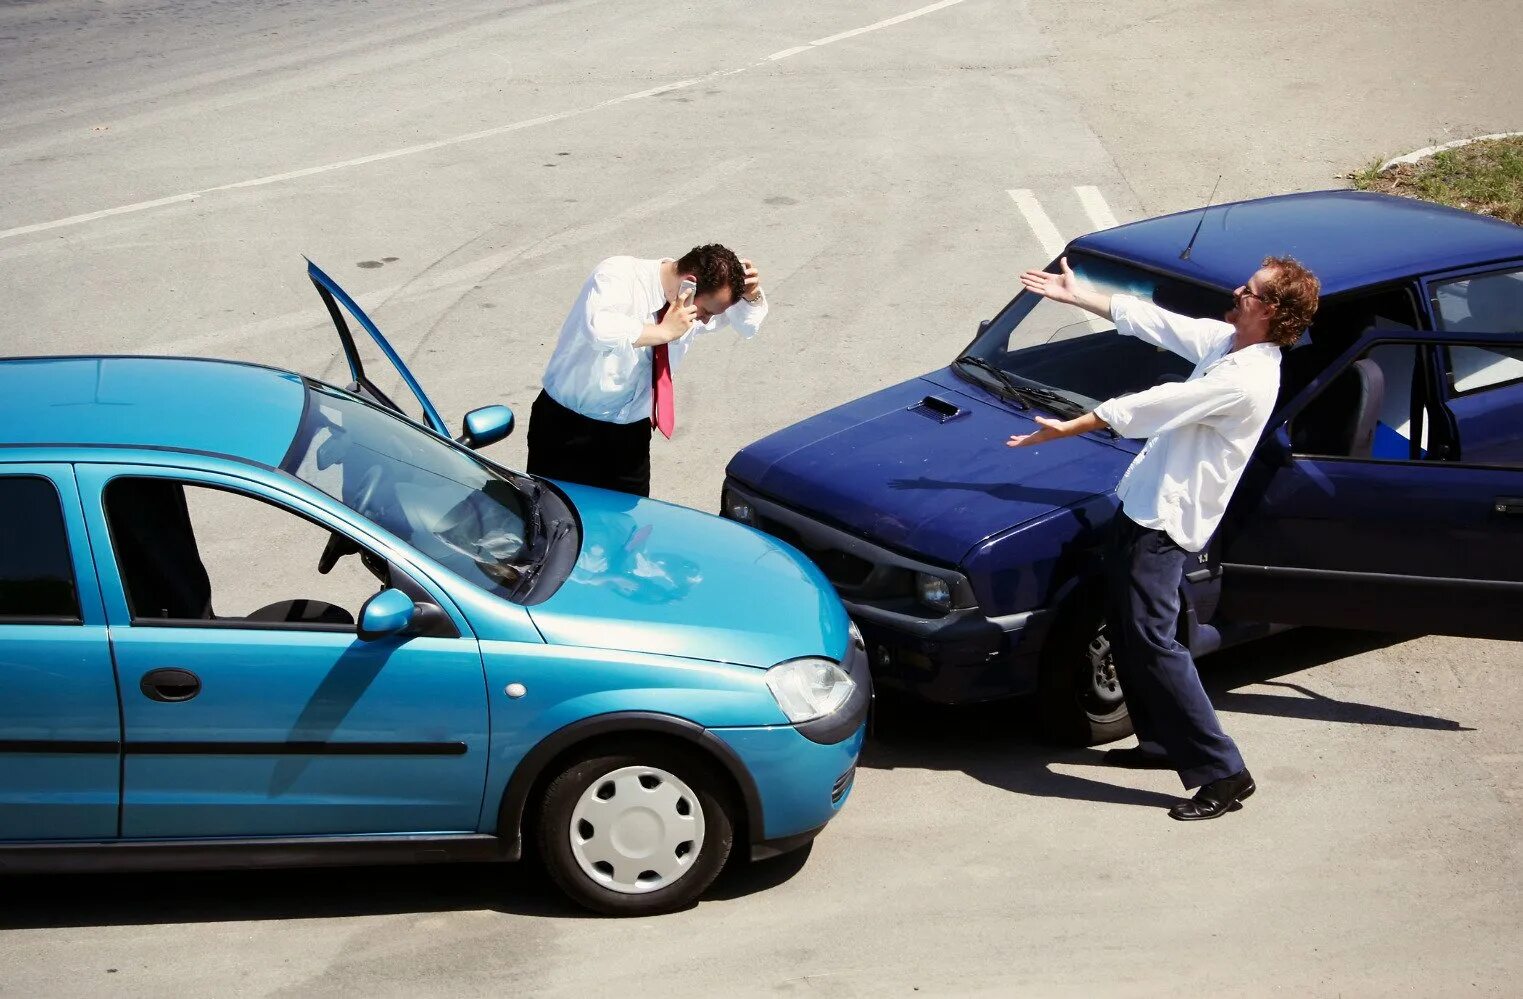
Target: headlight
933 591
735 508
809 688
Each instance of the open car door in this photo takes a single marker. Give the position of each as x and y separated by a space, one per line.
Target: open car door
334 297
1411 518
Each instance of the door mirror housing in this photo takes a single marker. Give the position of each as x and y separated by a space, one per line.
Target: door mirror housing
486 425
388 613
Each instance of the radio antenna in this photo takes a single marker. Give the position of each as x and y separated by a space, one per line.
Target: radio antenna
1185 253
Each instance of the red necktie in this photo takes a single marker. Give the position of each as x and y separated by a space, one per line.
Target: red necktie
663 412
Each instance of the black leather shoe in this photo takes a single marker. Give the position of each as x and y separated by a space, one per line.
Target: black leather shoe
1136 758
1216 798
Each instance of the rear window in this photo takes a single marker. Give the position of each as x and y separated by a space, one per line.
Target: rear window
36 573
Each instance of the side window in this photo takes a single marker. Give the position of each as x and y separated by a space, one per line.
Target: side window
36 572
1475 368
194 553
1481 303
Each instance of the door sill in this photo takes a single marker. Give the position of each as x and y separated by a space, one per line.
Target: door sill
243 854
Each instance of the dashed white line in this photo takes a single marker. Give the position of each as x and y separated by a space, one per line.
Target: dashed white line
1041 225
1095 207
455 140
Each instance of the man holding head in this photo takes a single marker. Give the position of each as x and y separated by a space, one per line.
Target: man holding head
609 380
1200 434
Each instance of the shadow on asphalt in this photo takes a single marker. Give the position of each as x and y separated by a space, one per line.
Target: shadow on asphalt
220 896
993 743
997 743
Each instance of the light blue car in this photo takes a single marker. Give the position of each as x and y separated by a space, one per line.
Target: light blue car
249 619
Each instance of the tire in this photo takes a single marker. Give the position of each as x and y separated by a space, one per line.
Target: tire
638 831
1079 700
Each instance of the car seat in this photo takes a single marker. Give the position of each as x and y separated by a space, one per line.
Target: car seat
1341 419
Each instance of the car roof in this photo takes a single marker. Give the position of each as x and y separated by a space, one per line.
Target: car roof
1349 239
243 410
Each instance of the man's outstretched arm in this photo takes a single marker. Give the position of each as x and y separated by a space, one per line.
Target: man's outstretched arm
1057 429
1065 288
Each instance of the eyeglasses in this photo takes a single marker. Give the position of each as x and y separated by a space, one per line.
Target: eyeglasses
1246 292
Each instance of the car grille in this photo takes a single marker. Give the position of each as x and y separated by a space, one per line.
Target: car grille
841 568
842 785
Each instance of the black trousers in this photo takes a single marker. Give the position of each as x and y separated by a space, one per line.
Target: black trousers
565 445
1170 710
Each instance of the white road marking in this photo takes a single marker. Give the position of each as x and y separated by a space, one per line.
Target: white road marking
887 22
785 53
1036 217
1095 207
455 140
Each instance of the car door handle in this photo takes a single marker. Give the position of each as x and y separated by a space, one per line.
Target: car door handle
1509 504
170 684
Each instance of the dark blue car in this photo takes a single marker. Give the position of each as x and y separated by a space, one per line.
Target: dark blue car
1386 494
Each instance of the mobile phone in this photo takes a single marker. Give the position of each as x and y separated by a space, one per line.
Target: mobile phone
687 286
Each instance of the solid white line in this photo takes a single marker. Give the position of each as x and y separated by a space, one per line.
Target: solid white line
1095 207
456 140
785 53
1046 233
921 12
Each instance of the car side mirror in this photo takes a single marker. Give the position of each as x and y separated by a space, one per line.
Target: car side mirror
486 425
388 613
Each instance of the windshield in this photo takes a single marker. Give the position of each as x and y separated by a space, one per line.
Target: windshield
1040 344
436 497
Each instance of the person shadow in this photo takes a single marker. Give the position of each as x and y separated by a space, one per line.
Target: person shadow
997 743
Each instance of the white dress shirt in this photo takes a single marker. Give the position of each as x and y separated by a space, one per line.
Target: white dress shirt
596 369
1201 432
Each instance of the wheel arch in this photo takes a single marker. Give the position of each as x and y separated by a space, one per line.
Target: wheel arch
548 757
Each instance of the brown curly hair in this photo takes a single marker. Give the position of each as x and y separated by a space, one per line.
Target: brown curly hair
714 267
1293 290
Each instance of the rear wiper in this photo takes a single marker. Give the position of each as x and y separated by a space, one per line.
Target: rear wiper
999 374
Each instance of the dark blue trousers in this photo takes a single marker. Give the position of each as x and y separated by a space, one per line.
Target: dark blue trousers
1170 711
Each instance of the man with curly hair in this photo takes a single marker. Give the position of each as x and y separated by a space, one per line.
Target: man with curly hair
609 380
1200 434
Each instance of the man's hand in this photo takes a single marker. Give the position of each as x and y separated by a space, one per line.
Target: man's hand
752 293
1051 431
680 317
1065 288
1057 429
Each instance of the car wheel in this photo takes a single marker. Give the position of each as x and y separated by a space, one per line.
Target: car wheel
636 832
1080 700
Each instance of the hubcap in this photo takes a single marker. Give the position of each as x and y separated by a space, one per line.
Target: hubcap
1104 688
636 830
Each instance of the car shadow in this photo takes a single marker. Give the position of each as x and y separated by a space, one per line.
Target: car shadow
997 743
168 898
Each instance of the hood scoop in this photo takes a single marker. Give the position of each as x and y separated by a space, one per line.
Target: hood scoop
938 409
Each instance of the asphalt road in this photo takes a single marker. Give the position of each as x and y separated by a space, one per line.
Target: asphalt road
461 166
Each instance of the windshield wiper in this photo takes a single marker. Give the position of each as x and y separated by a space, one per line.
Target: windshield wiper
1053 398
527 573
1000 375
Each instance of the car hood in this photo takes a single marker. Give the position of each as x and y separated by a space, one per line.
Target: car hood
653 577
923 467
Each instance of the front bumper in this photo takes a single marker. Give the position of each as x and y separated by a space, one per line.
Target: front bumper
952 658
803 773
961 658
800 784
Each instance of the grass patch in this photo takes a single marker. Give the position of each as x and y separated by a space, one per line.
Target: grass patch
1484 177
